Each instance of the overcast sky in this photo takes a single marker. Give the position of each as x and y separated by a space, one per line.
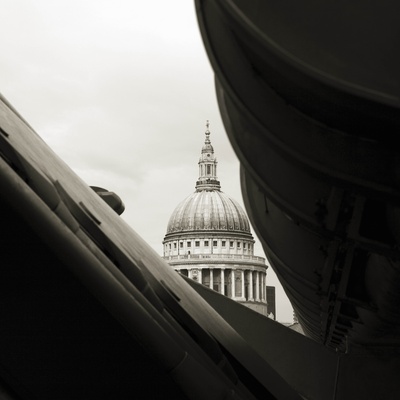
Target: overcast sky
121 90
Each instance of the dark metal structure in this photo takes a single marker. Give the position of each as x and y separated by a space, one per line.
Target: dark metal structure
88 310
308 94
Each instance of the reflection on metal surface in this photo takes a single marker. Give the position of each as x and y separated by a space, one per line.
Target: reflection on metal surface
312 111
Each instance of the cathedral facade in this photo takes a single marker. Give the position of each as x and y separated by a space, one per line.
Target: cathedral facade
209 240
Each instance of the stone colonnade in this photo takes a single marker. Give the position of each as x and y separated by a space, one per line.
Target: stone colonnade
237 284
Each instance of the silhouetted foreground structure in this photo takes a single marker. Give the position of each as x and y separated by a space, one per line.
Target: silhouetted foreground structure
309 95
308 92
88 310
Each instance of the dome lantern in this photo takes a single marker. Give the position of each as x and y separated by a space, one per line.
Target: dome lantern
207 166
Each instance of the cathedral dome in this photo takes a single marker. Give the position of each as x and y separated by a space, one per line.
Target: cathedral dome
208 210
209 240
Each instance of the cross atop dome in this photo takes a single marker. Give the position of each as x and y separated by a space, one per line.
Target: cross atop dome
207 141
207 148
207 166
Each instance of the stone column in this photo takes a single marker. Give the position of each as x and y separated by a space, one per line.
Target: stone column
251 295
200 276
211 279
233 283
257 286
242 278
264 276
261 287
222 291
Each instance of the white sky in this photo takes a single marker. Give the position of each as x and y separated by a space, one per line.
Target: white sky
121 90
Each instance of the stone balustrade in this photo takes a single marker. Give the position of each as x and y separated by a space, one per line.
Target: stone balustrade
221 257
